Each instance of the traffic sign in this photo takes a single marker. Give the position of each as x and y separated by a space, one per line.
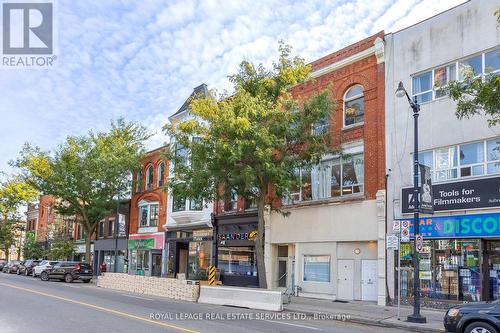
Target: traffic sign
396 226
405 231
420 243
391 242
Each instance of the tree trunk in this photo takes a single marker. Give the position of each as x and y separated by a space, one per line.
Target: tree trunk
259 242
87 247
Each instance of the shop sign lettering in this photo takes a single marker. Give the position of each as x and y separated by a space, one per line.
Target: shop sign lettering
237 236
456 226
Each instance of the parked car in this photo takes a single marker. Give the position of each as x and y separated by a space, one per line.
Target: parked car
3 262
68 271
478 317
27 267
12 266
43 265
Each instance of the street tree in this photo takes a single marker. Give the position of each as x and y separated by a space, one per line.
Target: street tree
251 142
88 174
14 193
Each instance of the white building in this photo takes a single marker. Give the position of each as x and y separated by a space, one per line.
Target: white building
461 248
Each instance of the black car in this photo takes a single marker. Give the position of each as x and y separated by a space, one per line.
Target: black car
68 271
27 267
3 262
478 317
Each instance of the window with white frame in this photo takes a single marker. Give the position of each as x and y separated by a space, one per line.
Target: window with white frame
148 214
161 174
428 85
331 178
354 106
464 160
149 178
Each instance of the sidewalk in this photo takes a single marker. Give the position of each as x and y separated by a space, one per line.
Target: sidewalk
368 313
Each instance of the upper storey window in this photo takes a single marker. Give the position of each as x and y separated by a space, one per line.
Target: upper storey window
354 106
149 177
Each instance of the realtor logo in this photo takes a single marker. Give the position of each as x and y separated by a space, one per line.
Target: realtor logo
27 34
27 28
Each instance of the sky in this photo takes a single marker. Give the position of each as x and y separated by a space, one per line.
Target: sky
140 60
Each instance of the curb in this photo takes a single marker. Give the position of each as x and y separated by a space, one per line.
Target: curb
374 322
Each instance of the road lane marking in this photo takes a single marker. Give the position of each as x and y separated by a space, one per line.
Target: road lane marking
296 325
100 308
139 297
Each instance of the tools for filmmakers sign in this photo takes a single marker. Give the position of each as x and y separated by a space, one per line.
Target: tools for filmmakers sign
461 195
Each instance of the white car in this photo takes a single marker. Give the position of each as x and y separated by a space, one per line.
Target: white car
37 270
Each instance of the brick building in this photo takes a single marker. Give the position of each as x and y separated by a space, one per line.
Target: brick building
148 209
332 243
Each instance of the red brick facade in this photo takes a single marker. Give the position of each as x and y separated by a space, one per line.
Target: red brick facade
370 75
155 193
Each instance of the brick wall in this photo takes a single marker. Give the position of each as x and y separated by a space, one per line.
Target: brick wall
153 158
147 285
370 75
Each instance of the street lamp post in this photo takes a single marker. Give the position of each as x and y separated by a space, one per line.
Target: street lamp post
415 317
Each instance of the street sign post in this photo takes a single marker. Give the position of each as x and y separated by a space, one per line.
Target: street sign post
405 231
396 227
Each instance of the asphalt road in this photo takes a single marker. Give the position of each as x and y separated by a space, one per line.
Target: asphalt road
31 305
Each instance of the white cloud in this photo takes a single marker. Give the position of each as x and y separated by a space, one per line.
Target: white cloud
141 59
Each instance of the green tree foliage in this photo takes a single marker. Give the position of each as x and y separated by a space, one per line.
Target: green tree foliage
252 141
14 193
87 173
477 95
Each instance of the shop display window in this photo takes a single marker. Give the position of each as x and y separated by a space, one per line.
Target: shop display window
199 259
449 270
237 260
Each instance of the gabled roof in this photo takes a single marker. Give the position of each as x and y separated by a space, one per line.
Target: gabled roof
200 91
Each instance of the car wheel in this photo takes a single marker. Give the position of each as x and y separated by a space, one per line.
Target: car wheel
68 278
44 276
480 327
86 281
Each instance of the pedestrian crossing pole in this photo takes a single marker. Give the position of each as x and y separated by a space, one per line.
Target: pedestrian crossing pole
211 275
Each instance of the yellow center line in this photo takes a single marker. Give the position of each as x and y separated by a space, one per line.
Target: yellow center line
100 308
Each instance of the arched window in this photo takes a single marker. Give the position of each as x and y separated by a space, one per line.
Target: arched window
149 177
354 106
138 182
161 174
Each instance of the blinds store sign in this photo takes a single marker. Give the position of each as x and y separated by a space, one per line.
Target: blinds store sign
481 193
27 34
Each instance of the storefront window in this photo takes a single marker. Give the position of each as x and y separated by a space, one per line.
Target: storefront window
449 270
316 268
237 260
140 260
199 259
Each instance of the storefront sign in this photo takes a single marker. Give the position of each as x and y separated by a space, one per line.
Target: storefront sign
426 196
141 244
480 193
238 236
146 241
458 226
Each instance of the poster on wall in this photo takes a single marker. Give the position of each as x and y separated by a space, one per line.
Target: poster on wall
426 197
122 232
470 194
